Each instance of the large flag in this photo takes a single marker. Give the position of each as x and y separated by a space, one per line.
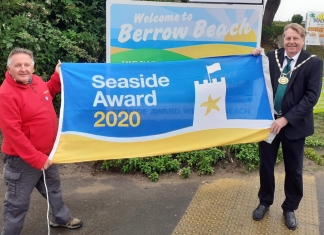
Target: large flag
113 111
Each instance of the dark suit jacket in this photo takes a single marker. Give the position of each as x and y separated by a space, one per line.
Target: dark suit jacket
302 93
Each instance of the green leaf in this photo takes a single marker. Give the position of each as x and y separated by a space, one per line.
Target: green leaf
9 45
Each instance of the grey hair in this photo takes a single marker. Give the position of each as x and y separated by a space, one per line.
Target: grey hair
297 27
18 50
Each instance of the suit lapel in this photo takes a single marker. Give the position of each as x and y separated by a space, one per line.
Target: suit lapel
277 70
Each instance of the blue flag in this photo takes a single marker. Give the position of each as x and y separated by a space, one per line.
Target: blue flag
112 111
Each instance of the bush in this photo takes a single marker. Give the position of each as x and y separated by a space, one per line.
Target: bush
297 18
201 161
278 30
268 34
248 154
72 31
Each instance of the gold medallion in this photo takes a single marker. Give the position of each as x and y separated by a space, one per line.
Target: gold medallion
283 80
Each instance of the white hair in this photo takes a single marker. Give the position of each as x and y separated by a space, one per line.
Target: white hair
18 50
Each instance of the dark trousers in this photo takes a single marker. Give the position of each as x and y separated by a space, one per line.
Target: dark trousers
293 154
20 179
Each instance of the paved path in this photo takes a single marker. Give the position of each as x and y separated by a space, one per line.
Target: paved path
219 204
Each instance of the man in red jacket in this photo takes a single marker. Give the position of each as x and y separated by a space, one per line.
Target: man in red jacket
29 125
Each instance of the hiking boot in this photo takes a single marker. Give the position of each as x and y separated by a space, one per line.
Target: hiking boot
74 223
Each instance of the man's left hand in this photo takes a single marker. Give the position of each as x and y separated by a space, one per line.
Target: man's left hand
278 124
58 66
47 164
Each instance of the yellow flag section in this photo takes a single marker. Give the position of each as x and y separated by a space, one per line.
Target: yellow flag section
67 152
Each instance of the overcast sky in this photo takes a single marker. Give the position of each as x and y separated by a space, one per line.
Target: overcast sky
288 8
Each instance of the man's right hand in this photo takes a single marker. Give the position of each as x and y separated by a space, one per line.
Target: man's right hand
47 164
257 51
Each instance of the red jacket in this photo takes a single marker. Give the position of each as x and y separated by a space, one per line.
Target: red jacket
27 118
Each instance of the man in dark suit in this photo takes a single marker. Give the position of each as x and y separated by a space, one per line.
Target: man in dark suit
296 91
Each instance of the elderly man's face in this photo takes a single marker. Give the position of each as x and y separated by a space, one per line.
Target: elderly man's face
21 67
293 42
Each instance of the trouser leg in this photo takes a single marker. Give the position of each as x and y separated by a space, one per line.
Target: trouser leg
293 152
268 155
52 177
20 180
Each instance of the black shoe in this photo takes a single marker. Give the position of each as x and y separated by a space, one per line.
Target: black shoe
260 212
291 221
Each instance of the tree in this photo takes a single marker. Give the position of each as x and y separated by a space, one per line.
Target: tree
270 11
297 19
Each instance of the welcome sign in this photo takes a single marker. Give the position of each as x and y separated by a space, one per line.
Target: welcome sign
314 28
112 111
139 31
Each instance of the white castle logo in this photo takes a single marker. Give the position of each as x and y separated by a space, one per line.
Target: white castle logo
210 108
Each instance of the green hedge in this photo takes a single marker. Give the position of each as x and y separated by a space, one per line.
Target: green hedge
278 30
69 30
